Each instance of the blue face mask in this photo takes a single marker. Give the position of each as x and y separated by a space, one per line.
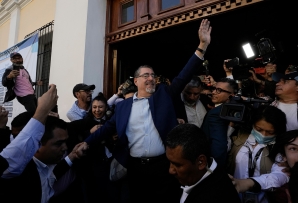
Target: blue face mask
261 139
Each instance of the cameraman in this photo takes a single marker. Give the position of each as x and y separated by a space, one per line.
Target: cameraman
267 83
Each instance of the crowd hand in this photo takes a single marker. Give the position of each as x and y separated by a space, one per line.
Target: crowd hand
115 137
180 121
54 114
46 103
13 74
242 185
77 152
81 149
3 117
204 32
286 168
92 130
254 77
39 83
119 93
228 70
209 81
270 69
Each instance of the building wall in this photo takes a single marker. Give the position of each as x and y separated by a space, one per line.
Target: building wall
4 34
78 48
35 15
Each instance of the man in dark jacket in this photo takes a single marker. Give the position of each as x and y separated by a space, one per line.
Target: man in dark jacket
19 84
188 151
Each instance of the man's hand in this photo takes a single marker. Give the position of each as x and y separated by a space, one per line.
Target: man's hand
76 152
46 103
81 150
92 130
228 70
242 185
270 68
13 74
209 81
204 32
3 117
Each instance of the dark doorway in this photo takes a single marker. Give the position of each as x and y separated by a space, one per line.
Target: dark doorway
168 50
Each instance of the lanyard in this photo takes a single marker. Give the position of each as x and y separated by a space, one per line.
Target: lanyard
252 163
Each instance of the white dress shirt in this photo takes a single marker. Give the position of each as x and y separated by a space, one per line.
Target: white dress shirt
195 115
21 150
143 137
188 189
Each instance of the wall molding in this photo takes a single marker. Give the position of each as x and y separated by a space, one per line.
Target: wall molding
197 13
7 6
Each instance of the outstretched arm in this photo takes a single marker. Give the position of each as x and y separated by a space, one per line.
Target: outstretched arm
21 150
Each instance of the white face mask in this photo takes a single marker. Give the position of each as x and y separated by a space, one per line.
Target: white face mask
261 139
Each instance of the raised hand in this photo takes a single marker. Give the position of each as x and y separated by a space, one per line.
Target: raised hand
46 103
204 32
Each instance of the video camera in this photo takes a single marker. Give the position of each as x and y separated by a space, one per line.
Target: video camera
266 55
239 110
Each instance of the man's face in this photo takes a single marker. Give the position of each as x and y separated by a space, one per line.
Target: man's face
145 82
191 94
185 171
286 88
17 60
84 96
54 149
221 93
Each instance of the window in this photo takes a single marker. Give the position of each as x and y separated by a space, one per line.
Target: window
127 12
165 4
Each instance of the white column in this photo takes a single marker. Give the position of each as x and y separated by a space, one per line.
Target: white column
78 48
14 26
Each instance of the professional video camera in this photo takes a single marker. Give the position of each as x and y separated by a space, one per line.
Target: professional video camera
239 109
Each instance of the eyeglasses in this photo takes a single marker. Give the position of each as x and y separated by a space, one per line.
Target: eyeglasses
219 90
87 91
146 75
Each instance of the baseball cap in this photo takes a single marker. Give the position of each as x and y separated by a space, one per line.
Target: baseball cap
13 54
82 86
290 76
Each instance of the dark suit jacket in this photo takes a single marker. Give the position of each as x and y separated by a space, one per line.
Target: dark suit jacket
162 111
27 186
4 141
216 188
215 129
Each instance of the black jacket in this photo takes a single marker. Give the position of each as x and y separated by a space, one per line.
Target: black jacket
9 84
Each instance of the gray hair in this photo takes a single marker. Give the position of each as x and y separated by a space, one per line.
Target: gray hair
137 72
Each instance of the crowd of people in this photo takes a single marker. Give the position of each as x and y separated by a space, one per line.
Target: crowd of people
155 140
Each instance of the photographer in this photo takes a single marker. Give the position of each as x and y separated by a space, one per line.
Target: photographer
267 83
19 84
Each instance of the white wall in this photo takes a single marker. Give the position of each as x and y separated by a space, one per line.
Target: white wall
78 48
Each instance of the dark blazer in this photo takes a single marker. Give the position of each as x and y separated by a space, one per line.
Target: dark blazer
215 129
27 186
217 187
4 141
162 111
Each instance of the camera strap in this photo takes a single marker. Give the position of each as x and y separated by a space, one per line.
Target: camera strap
252 163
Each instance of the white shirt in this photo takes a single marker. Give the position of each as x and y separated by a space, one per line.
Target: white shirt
275 178
143 137
188 189
291 114
21 150
47 178
195 115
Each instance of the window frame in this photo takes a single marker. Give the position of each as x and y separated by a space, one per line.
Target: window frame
182 3
120 24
